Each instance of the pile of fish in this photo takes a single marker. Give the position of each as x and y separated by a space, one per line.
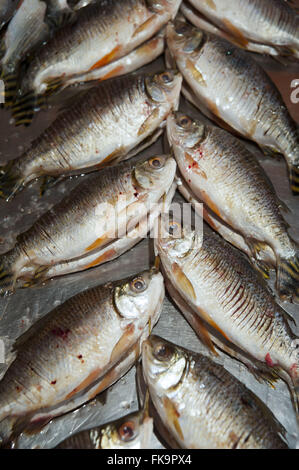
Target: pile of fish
88 54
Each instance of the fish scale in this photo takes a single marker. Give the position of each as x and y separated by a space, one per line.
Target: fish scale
221 287
64 358
207 408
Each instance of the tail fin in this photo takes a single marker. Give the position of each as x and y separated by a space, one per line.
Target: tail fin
287 282
294 179
24 108
7 274
11 181
10 81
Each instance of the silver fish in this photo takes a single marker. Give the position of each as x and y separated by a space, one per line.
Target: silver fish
222 173
227 84
104 32
77 351
89 136
223 290
260 25
95 216
202 405
133 431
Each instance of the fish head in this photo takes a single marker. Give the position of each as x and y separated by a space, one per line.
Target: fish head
174 242
164 88
140 298
183 39
133 431
183 132
163 364
161 6
156 174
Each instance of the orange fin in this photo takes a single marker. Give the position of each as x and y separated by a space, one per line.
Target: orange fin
97 244
195 73
144 26
122 344
183 281
211 322
102 258
148 123
88 381
236 33
107 58
173 415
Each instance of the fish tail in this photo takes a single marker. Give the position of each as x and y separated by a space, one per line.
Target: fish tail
24 108
294 179
7 274
288 276
11 181
9 88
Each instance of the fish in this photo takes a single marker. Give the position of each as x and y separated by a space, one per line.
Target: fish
260 26
77 351
32 24
133 431
98 213
225 293
102 33
228 178
202 405
264 258
229 86
112 122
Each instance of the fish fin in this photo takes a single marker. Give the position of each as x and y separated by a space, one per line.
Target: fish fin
49 182
11 181
294 179
173 415
284 207
24 108
145 144
7 274
8 433
38 277
8 94
58 20
148 123
262 267
287 277
184 283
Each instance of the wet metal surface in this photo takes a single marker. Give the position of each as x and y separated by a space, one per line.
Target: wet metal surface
22 309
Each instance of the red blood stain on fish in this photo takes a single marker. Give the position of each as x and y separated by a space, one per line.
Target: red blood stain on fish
53 382
63 334
294 371
269 361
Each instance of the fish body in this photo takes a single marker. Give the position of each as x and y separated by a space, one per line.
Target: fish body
110 123
103 32
76 351
222 173
202 405
232 87
223 289
133 431
255 23
97 213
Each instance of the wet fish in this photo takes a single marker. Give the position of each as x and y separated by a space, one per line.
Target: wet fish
259 26
104 32
202 405
97 214
223 290
77 351
133 431
230 86
110 123
222 173
31 25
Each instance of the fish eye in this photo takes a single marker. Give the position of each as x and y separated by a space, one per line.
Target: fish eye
138 285
156 163
162 352
174 228
184 122
127 431
181 29
166 77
